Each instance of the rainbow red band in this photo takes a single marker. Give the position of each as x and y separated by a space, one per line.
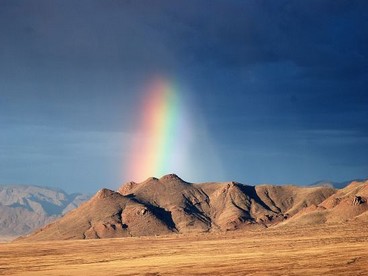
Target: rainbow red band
160 146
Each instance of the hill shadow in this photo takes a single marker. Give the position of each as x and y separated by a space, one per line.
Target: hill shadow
252 193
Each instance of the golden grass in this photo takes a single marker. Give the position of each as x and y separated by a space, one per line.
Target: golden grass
318 250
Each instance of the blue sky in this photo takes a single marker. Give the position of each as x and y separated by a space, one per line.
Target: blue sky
278 89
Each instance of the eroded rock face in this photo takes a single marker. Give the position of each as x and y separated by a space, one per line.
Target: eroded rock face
171 177
127 188
358 200
347 204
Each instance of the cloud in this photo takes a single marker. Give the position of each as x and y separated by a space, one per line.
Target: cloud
251 65
325 38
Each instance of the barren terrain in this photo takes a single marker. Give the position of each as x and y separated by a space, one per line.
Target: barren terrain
339 249
25 208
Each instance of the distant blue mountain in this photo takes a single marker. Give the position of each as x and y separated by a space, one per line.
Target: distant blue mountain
24 208
336 185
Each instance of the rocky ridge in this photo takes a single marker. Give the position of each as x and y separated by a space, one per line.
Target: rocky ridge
168 205
24 208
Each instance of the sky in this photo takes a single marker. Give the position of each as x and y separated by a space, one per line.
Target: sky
265 91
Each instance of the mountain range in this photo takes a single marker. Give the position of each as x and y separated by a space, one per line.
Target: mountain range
336 185
24 208
170 205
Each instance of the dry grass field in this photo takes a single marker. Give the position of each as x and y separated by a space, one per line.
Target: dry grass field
318 250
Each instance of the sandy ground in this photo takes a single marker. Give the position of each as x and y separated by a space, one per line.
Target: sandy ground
322 250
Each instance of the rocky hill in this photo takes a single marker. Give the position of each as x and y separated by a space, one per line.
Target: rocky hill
26 208
349 203
171 205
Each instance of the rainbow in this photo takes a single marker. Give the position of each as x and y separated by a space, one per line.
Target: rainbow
161 140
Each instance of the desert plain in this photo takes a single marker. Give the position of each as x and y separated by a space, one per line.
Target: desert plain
329 249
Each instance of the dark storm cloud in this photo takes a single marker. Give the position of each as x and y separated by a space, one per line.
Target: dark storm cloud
323 44
78 55
326 39
67 62
320 34
264 74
